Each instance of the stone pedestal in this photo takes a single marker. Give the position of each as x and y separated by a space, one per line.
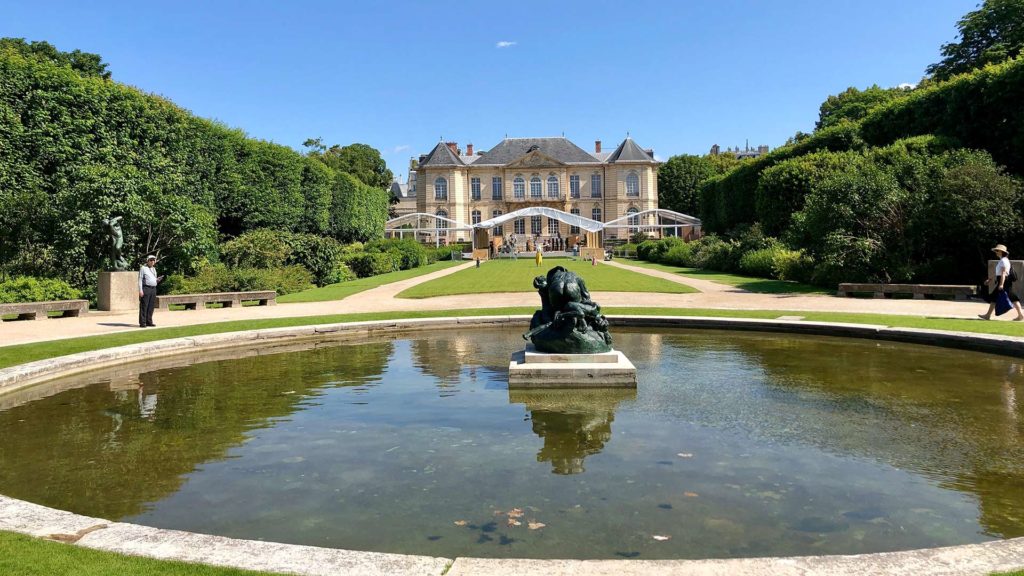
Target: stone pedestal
118 291
532 369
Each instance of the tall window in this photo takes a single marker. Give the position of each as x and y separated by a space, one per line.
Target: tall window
535 187
535 225
442 224
496 188
632 185
552 186
440 189
520 226
574 186
595 185
553 227
574 229
475 216
498 230
474 188
633 221
519 187
595 214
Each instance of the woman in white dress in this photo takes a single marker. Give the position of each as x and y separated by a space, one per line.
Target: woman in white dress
1000 282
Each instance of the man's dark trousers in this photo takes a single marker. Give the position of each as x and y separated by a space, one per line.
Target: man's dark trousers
146 304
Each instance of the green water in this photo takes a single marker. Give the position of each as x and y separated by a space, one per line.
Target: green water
734 444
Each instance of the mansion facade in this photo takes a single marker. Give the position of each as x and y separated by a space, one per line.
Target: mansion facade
523 172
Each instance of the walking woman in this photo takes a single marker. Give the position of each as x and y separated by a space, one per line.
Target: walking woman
1002 281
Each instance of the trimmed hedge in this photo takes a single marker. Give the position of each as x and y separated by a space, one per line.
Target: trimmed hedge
29 289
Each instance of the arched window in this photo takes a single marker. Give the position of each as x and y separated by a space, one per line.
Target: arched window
552 186
440 189
443 214
535 187
633 185
595 214
519 187
633 220
475 216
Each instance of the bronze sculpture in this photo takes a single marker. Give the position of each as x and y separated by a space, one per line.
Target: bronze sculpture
113 228
569 322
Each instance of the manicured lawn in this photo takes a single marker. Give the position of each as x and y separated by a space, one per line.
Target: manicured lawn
749 283
25 556
518 275
21 353
345 289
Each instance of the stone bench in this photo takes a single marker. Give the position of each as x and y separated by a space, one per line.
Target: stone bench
226 299
40 310
918 291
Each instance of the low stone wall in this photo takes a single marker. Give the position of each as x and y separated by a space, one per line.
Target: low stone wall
26 518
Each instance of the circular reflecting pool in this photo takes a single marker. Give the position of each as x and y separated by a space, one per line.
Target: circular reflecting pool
734 444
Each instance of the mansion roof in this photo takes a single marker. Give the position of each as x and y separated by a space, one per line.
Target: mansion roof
560 150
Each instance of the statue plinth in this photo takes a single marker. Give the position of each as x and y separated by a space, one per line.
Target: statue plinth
118 291
532 369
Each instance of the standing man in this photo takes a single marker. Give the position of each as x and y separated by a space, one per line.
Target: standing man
147 291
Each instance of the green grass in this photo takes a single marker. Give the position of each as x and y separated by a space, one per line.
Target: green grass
26 556
346 289
517 276
21 353
749 283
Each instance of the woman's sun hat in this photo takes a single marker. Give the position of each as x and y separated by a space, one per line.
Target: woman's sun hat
1001 248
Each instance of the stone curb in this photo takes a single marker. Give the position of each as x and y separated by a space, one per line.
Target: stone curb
40 521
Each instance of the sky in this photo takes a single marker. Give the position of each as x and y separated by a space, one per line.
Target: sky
676 75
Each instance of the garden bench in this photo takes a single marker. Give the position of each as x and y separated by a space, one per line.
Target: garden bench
40 310
918 291
226 299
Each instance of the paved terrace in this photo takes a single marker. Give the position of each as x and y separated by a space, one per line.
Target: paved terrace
383 299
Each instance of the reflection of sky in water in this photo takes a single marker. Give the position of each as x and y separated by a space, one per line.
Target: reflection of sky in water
733 444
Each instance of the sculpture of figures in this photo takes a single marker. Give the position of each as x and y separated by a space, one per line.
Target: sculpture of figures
569 322
113 228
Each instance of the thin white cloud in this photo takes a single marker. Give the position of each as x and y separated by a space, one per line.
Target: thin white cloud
400 148
505 44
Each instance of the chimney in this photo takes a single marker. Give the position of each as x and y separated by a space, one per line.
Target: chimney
454 147
469 149
597 146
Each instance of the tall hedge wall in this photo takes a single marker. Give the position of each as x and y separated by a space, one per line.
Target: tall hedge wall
76 149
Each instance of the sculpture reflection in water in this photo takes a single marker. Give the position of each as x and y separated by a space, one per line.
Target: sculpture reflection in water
573 424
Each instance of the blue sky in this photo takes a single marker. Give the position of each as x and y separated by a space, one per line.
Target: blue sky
678 75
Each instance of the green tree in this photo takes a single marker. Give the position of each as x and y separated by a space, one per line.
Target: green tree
853 104
988 35
679 180
360 160
84 63
358 211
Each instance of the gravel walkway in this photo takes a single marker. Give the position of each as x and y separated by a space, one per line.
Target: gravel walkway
382 299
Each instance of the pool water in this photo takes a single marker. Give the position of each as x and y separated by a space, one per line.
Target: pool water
733 445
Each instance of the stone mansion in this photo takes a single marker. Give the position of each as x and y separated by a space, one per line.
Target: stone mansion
524 172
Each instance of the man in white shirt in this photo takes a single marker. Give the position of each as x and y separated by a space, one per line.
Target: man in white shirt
147 291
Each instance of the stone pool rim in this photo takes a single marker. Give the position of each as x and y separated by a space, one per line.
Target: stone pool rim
40 521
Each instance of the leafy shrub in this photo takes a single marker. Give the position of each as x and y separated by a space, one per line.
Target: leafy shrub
644 250
29 289
714 253
368 264
220 278
679 255
285 279
628 248
262 248
793 265
321 255
759 263
408 252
